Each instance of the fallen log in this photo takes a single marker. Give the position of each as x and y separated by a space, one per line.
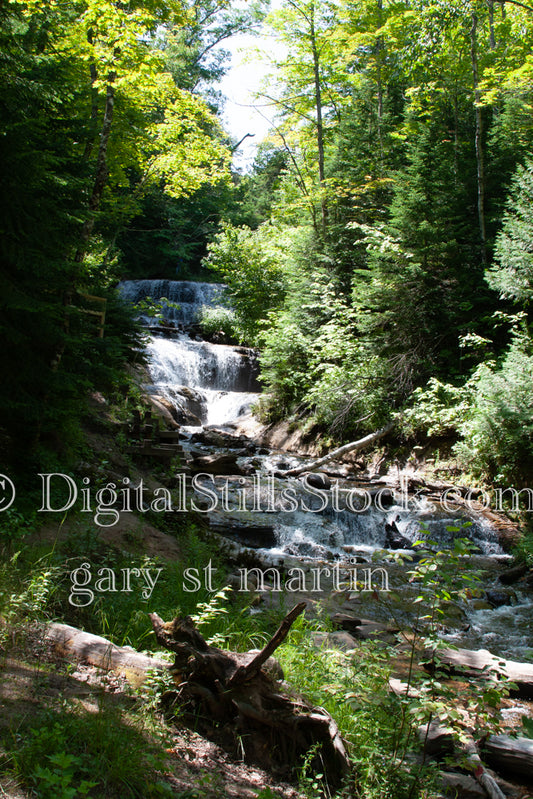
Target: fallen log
473 662
353 446
234 697
512 755
487 782
71 643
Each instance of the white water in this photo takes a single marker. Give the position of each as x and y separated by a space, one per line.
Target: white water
223 378
187 297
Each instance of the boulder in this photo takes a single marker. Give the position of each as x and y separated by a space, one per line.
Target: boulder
497 598
513 575
394 539
223 463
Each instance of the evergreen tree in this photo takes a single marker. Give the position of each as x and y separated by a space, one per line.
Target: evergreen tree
512 272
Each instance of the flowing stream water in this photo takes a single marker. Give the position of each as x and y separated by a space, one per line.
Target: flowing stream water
217 385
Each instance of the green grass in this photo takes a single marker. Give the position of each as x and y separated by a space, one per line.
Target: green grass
65 753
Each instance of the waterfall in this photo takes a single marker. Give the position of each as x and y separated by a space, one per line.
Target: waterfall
224 378
186 296
212 383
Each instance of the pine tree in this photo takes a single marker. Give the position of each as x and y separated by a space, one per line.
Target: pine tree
512 272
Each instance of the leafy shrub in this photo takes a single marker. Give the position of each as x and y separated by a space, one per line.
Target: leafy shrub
498 432
249 265
437 409
214 321
69 754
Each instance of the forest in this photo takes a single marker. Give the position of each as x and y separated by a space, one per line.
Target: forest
378 253
378 261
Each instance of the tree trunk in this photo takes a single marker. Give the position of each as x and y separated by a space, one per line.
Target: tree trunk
353 446
100 178
480 160
512 755
472 662
236 699
71 643
473 760
319 122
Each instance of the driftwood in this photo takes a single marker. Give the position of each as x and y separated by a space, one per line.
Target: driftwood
353 446
487 782
512 755
474 662
69 642
234 697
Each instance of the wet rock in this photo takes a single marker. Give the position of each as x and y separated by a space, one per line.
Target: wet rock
498 598
255 536
513 575
356 555
309 549
223 463
394 539
364 629
382 497
318 480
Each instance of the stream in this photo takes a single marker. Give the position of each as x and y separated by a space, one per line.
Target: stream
315 521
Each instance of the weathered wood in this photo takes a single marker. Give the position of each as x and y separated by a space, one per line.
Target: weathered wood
473 662
512 755
71 643
240 692
353 446
473 759
254 666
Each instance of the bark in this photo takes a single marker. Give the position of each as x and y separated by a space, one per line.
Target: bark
94 103
319 122
353 446
100 178
480 158
473 760
71 643
237 699
473 662
512 755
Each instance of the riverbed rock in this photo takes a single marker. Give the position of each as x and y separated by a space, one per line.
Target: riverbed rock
221 463
498 598
461 786
318 480
394 539
513 575
364 629
436 738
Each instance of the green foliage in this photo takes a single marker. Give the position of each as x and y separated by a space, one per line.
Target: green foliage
438 409
219 324
247 263
353 687
90 120
76 753
498 432
512 272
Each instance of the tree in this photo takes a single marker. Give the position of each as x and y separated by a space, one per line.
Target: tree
512 272
90 119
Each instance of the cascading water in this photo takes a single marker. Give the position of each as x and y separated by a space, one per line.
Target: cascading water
185 297
221 380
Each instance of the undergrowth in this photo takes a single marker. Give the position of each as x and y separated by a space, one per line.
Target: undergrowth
71 752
